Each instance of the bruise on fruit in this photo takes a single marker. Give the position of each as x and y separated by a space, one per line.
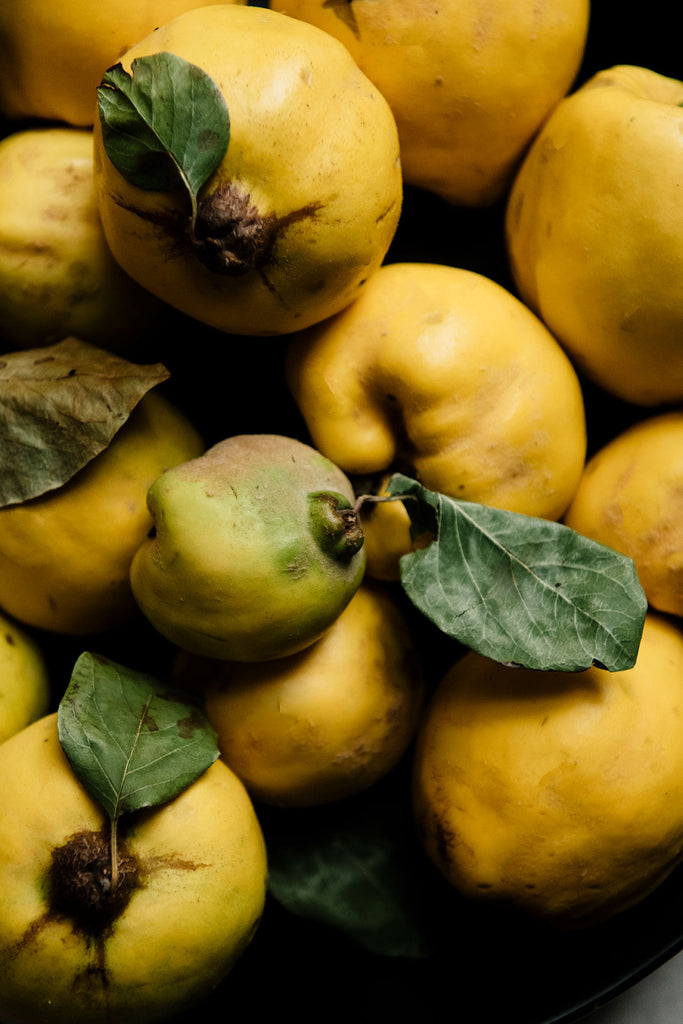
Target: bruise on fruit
232 237
80 883
79 890
229 236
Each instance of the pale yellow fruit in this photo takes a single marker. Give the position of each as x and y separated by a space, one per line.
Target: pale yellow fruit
444 374
594 227
57 275
630 498
53 56
24 679
323 724
305 203
560 794
469 82
195 901
65 556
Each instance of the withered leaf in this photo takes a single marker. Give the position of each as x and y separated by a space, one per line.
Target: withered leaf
60 406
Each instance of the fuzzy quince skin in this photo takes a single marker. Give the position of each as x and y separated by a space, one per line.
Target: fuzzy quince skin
52 56
325 723
557 793
256 550
57 275
304 204
24 679
193 876
469 82
65 555
594 227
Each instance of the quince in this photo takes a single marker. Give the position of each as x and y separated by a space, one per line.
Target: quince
65 556
469 83
256 549
191 891
305 202
594 227
443 374
24 679
630 497
52 56
57 275
322 724
559 794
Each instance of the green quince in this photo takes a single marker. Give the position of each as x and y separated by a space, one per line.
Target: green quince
256 550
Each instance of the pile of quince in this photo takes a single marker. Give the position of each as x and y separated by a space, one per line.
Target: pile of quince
341 469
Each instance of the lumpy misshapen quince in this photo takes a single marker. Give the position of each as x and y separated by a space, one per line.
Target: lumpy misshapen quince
65 555
52 56
594 227
256 549
443 374
192 880
560 794
303 205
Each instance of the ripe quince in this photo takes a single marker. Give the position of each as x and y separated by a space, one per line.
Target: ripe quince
443 374
325 723
469 83
256 549
57 275
559 794
65 555
53 56
304 203
594 229
24 679
630 497
191 891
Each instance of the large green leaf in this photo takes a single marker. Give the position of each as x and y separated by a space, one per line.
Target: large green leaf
520 589
131 741
166 123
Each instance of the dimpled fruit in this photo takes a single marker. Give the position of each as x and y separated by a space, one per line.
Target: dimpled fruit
65 556
24 679
594 227
558 793
442 373
306 200
469 83
327 722
52 56
193 876
630 497
256 549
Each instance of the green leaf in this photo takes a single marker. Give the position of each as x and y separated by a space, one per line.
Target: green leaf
60 406
164 124
520 589
131 741
355 867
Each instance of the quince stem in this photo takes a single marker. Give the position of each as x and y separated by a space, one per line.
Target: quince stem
363 499
114 851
